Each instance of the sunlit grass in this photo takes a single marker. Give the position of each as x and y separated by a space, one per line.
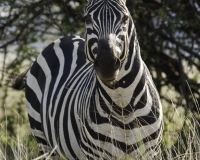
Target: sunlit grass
179 142
21 148
181 138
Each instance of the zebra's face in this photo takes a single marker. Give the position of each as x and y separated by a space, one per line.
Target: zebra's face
106 36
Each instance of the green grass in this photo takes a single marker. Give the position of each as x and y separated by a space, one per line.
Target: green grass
181 137
20 148
181 141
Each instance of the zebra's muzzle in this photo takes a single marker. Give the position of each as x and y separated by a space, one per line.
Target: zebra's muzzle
107 71
106 64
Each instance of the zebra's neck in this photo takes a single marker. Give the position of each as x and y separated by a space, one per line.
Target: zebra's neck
131 78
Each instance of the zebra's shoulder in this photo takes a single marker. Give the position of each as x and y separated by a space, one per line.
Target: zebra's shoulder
66 51
70 43
65 45
65 41
70 39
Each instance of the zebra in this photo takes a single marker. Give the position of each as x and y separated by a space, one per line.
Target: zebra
94 98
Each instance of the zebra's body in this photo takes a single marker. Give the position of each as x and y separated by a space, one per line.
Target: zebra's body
89 116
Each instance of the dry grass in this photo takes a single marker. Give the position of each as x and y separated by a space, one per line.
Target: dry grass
181 139
179 142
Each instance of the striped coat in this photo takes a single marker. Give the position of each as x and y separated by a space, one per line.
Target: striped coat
86 102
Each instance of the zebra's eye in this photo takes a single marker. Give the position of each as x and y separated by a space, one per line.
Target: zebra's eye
125 19
88 19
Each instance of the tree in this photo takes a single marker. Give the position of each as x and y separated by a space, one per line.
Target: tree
25 28
172 42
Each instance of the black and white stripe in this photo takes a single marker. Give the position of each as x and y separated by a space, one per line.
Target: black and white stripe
95 99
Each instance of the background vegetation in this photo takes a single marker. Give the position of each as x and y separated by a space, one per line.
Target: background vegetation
169 37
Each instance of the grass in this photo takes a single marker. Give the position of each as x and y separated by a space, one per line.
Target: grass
183 144
181 138
22 148
179 142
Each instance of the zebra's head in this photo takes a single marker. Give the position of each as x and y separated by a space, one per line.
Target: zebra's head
107 36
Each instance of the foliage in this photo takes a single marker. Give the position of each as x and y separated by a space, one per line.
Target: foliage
170 44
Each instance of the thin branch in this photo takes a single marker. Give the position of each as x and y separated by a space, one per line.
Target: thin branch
53 20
